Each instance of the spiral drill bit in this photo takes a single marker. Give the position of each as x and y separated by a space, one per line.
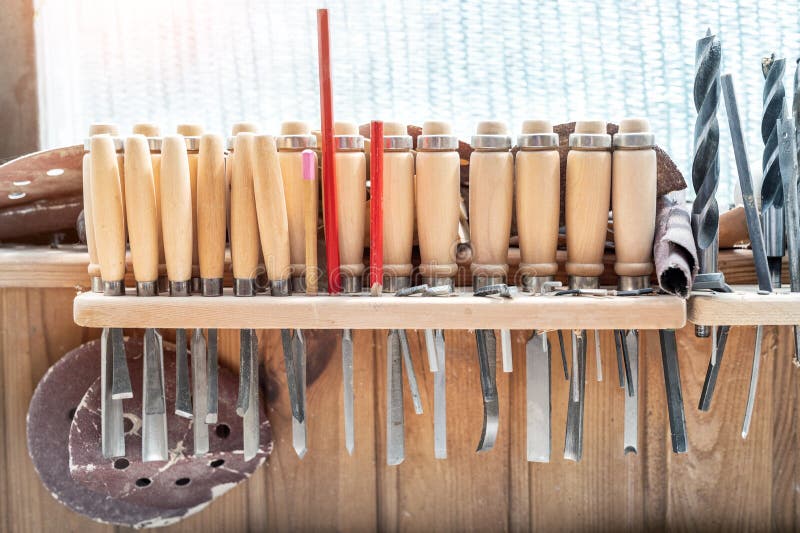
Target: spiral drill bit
796 104
771 185
705 166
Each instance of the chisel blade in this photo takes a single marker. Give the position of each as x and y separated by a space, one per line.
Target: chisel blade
347 375
714 364
439 399
409 367
154 418
487 359
505 350
563 355
291 373
573 444
430 348
597 356
620 362
537 372
111 424
245 370
183 395
251 415
395 439
631 434
199 393
213 378
299 439
626 358
672 382
751 394
120 377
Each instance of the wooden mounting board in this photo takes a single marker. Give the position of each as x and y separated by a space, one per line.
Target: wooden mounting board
744 306
364 312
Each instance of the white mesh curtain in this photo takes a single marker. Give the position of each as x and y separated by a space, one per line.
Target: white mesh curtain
216 62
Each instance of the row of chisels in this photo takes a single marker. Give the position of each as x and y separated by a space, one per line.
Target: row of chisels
179 200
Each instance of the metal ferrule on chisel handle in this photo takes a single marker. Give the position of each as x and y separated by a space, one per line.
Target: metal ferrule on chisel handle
147 288
244 286
114 288
211 286
180 288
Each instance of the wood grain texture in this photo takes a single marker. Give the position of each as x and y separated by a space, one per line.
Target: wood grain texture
491 198
537 202
211 206
745 306
273 223
634 209
398 212
437 222
359 312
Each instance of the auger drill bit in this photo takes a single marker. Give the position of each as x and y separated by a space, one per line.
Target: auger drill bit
705 165
772 187
787 154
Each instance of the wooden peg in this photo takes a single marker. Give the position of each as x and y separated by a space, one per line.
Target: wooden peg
273 225
491 196
244 223
538 202
189 130
176 214
634 202
438 197
141 209
588 196
398 205
148 129
107 203
211 206
351 202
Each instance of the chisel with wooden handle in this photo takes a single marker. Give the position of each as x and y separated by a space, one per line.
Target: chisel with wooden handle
273 226
192 133
107 203
491 178
633 204
437 205
176 229
351 192
587 199
538 202
140 195
244 258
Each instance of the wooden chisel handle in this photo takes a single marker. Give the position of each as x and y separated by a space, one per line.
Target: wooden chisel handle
176 214
107 201
273 224
634 203
310 218
491 196
192 133
588 195
351 202
88 214
141 211
538 169
244 223
153 133
398 205
211 213
438 198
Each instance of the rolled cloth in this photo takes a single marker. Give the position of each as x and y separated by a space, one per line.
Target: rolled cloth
674 251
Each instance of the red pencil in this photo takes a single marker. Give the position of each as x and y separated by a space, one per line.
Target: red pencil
376 207
328 170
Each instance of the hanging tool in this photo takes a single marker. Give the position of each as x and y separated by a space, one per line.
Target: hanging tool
212 220
107 203
753 228
437 177
329 184
787 154
351 193
588 196
537 372
273 228
176 227
772 218
634 209
672 383
395 440
143 235
244 259
490 199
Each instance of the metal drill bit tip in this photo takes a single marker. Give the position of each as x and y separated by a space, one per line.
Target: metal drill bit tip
773 96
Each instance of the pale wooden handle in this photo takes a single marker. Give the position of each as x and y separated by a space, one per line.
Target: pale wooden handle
211 206
244 223
587 201
193 160
141 209
634 209
108 209
351 210
156 165
88 217
491 195
292 172
176 208
310 214
538 206
398 212
273 224
438 196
